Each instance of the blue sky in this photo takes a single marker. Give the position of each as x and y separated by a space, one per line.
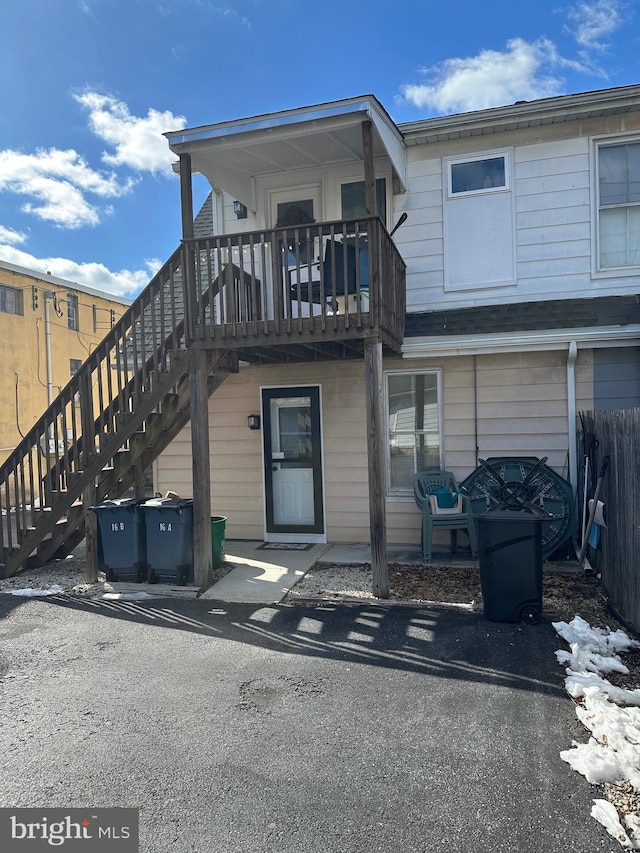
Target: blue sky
88 87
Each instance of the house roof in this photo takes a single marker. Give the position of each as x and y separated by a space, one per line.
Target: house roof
541 325
46 278
232 153
523 114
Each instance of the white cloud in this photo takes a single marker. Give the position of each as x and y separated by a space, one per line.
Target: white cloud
15 238
138 141
58 180
488 79
127 283
524 70
593 23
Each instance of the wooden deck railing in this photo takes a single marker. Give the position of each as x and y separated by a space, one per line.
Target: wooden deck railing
316 283
337 280
49 467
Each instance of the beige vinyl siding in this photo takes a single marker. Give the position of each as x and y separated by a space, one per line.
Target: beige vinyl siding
521 406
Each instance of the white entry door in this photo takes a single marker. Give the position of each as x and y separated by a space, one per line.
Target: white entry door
293 461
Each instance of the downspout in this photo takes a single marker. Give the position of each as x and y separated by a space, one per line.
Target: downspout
47 344
475 407
571 414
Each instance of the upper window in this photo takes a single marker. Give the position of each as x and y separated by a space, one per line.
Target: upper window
11 300
72 311
352 199
481 175
619 205
414 442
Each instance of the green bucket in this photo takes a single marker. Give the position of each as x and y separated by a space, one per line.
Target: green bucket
217 540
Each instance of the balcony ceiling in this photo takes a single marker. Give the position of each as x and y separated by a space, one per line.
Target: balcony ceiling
232 154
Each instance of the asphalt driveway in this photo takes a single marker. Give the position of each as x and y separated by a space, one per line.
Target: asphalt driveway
293 729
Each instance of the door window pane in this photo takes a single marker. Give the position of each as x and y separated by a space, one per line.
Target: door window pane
352 197
294 426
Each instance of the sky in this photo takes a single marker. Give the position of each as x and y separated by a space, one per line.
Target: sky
87 88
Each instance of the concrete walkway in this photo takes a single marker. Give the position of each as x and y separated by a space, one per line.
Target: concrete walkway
262 576
265 575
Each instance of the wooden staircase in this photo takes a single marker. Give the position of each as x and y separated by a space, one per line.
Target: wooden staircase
123 407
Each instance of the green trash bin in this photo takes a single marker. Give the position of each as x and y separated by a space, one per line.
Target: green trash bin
218 523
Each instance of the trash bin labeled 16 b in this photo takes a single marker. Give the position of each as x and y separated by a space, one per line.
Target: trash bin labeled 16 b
122 547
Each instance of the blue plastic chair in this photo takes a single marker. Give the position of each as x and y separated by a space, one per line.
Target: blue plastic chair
425 485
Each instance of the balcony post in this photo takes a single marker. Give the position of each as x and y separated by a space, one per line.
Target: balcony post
369 170
198 399
375 456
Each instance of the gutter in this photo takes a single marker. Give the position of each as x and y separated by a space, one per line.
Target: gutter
538 341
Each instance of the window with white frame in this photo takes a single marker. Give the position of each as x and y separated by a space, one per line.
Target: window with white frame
619 205
479 235
414 442
481 174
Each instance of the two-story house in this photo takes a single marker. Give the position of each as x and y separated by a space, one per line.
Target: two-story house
522 252
309 347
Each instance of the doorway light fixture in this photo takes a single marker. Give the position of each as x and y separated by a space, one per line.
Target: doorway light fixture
240 210
254 421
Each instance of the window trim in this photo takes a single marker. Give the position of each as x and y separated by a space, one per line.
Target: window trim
73 311
407 494
476 158
19 300
598 272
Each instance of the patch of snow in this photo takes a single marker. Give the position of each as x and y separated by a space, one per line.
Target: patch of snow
29 592
125 596
610 713
605 813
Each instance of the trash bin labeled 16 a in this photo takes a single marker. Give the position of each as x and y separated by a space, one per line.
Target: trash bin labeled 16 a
169 536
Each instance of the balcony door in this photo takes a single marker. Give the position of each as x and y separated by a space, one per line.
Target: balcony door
293 464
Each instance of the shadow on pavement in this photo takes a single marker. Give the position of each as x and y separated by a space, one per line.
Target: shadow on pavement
433 640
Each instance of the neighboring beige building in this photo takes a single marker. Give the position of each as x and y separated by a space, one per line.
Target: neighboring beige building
48 327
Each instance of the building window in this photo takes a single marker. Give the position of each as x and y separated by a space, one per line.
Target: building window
11 300
72 311
74 366
414 442
352 199
619 205
478 176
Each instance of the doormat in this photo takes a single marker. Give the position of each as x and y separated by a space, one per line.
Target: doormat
284 546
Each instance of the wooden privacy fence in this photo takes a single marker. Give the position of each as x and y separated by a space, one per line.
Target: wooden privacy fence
617 434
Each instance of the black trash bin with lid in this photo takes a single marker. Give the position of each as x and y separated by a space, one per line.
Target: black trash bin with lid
169 533
122 546
510 553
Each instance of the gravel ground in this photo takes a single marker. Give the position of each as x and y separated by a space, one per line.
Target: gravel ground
563 595
69 576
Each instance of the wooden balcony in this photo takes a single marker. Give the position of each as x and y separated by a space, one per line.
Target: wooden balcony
305 293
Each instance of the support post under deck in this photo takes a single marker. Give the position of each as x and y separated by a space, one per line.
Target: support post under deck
375 455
